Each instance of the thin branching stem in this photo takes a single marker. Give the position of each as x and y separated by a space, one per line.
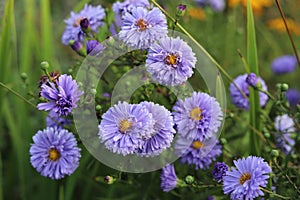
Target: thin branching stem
288 31
276 195
287 177
17 94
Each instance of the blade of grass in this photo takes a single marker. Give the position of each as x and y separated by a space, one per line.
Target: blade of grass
18 146
47 34
254 143
28 36
5 50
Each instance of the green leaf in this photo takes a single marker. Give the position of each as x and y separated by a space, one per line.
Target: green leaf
254 95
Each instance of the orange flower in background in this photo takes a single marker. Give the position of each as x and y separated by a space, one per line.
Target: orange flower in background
278 24
257 5
196 13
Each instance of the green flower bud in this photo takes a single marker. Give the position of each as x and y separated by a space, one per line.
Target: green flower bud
93 91
274 153
23 76
284 87
189 179
98 107
44 65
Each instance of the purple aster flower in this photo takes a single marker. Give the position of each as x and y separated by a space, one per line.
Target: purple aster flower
211 198
93 47
53 119
238 99
251 79
293 96
120 8
285 125
245 181
62 96
198 152
216 5
168 178
163 131
124 127
54 153
197 116
219 171
284 64
170 61
73 31
141 27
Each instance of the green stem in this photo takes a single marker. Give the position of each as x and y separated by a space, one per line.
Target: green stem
246 67
17 94
200 46
276 195
61 192
288 31
287 177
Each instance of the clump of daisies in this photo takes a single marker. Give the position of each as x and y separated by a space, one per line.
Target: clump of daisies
145 129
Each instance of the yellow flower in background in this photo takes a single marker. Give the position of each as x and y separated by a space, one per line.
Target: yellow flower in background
196 13
257 5
278 24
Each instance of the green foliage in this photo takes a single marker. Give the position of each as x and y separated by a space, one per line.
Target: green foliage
31 32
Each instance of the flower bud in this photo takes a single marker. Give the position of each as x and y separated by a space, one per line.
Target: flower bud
85 25
23 76
109 180
98 107
77 46
180 10
252 80
274 153
44 65
284 87
189 179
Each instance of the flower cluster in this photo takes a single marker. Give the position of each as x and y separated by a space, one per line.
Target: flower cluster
54 153
145 129
84 25
197 119
89 17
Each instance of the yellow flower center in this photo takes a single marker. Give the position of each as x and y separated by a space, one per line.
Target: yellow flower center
171 59
142 24
54 154
197 144
125 125
196 114
244 178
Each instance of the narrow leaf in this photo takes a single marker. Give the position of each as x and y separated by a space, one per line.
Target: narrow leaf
254 95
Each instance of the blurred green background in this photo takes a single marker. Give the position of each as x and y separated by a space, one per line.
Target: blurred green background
30 32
